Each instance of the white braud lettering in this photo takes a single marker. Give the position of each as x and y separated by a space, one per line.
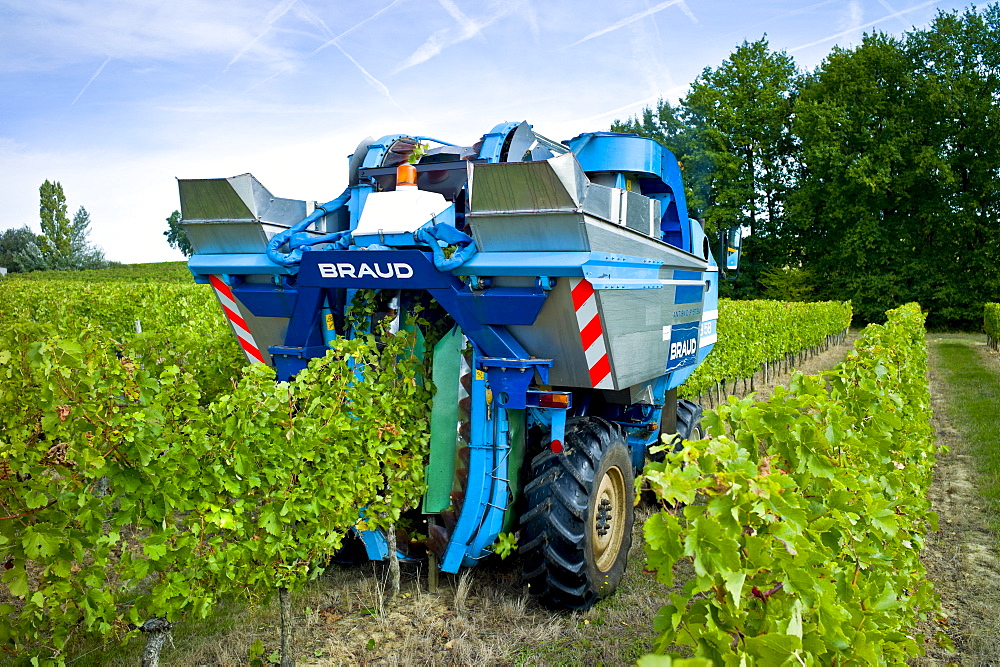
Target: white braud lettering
683 348
366 270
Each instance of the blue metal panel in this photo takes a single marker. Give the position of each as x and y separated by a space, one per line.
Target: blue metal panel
509 378
482 465
605 271
377 151
359 195
683 345
505 305
493 141
266 300
525 264
689 293
290 360
499 492
710 325
377 547
602 270
400 269
378 269
675 213
304 326
610 151
236 264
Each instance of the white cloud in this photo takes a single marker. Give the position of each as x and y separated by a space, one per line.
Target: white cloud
45 34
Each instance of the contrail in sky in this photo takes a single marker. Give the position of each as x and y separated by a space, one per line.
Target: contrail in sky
866 25
280 10
357 25
87 85
443 38
636 17
381 87
893 9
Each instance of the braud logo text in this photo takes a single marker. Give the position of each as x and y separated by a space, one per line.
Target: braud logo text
683 348
366 270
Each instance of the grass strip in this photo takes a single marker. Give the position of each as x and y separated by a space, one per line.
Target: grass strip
973 399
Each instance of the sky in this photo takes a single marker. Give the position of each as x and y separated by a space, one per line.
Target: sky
117 99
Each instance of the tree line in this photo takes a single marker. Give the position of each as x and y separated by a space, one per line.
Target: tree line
875 177
63 244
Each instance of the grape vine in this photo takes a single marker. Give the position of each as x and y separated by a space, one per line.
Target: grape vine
125 494
991 323
803 516
755 335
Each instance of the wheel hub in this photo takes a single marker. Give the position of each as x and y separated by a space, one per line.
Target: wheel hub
608 527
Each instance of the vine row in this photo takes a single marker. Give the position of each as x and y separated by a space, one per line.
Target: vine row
126 495
803 516
760 337
991 323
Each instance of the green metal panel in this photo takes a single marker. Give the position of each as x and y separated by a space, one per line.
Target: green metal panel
515 460
440 469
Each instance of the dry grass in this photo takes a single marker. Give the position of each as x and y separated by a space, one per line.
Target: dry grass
962 557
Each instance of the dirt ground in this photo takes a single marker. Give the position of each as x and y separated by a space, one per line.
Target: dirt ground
962 558
485 617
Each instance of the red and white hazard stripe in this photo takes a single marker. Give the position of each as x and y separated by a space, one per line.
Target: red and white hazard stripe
239 325
591 333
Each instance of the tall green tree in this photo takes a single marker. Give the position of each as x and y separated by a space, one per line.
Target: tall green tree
732 133
899 193
957 65
64 244
864 159
741 115
176 236
55 240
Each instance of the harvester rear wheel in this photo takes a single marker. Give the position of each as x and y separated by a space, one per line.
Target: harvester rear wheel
577 530
689 420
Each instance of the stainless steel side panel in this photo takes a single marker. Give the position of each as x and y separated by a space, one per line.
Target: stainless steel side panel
633 322
556 335
543 185
235 215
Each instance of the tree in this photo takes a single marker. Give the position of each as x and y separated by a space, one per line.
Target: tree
176 236
55 239
957 98
732 134
19 251
864 160
741 115
64 244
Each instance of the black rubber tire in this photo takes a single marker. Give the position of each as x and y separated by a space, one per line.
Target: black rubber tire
567 562
689 420
688 428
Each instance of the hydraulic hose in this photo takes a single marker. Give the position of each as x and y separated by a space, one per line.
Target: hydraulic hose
298 245
449 236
